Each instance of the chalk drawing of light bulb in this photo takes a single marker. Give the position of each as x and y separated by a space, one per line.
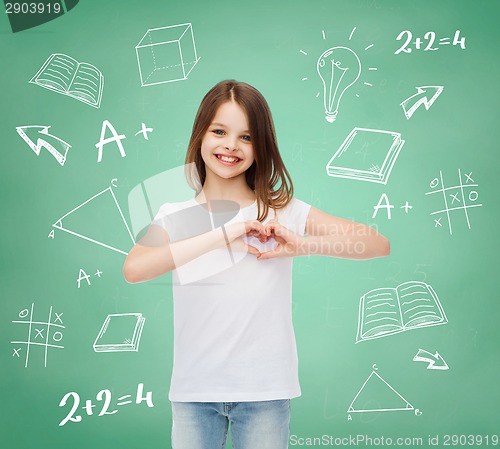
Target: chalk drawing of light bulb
339 68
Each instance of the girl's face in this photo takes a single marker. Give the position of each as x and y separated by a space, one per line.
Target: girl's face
226 147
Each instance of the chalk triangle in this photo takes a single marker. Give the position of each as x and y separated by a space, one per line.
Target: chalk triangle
376 395
99 220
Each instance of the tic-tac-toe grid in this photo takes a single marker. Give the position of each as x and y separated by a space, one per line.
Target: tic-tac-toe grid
37 334
460 197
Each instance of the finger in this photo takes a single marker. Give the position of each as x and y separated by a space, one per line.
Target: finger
277 252
280 239
268 226
264 238
272 225
257 229
239 245
244 228
279 230
257 225
253 250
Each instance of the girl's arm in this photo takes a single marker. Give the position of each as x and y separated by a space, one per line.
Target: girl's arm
154 255
327 235
334 236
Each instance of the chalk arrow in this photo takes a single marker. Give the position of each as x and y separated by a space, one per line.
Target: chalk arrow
411 104
40 134
435 361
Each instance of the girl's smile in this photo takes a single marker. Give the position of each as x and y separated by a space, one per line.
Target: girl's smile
227 160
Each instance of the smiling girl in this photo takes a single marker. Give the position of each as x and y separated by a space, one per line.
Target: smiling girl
235 357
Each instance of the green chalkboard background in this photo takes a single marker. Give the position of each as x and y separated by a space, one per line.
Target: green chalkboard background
273 45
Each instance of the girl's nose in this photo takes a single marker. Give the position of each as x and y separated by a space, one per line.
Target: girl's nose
230 145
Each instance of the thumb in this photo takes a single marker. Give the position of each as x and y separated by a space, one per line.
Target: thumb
239 245
276 252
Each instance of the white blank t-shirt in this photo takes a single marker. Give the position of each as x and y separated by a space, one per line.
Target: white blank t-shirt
233 332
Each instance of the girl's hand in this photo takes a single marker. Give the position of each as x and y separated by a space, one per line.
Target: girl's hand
289 243
236 231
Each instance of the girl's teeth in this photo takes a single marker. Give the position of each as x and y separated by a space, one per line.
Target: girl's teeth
228 159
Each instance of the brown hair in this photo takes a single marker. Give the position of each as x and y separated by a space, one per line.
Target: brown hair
267 175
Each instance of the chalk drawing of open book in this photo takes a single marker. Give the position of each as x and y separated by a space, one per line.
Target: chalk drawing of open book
67 76
387 311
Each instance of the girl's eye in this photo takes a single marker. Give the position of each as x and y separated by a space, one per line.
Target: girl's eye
247 138
219 132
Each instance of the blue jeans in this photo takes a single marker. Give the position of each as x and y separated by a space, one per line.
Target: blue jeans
254 425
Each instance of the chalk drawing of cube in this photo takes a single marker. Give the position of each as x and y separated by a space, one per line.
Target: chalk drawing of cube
166 54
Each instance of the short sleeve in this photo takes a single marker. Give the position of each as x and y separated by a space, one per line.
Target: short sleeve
177 220
161 219
185 220
294 215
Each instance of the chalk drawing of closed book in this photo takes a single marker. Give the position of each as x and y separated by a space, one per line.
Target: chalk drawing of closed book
366 155
387 311
65 75
120 332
